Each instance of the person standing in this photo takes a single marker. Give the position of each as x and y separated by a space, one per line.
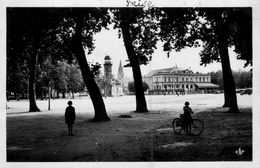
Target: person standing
70 116
187 119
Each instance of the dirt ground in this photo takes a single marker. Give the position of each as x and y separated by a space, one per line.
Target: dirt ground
144 137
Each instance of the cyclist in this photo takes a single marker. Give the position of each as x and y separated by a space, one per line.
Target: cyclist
187 119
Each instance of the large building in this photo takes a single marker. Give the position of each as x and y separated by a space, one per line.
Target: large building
178 81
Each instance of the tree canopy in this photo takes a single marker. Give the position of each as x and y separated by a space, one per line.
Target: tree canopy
143 30
238 23
194 27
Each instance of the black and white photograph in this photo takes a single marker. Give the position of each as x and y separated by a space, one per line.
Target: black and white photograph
133 83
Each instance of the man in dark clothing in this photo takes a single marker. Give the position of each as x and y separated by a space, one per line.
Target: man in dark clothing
70 116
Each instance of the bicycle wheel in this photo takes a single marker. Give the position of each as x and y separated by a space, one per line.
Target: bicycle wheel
177 125
197 127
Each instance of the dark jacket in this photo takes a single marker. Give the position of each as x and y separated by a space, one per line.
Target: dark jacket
187 113
70 115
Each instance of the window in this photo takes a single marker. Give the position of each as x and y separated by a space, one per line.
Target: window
187 86
191 86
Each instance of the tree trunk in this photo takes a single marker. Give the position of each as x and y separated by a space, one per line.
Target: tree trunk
57 94
94 92
228 79
63 95
134 61
7 96
32 73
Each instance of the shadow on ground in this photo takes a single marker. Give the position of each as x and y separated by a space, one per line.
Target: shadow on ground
226 137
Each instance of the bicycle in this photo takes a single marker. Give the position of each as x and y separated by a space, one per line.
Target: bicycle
197 126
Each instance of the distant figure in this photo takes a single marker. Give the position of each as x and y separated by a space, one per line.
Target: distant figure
187 119
70 116
177 93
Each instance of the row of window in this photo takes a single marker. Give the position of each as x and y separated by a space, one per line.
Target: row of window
166 87
182 79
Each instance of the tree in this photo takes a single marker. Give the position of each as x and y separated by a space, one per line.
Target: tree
75 82
103 84
60 76
216 78
241 33
35 24
27 29
242 79
216 29
131 86
139 36
226 29
22 34
89 21
17 74
146 86
177 28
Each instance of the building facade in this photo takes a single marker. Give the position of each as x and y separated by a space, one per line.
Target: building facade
178 81
117 88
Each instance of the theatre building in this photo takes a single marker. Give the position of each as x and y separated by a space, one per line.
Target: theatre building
178 81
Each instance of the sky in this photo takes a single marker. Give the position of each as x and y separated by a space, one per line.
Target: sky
108 43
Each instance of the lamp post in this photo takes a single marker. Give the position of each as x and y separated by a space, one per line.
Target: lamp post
49 97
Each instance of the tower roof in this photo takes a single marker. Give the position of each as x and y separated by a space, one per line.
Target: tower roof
120 73
107 57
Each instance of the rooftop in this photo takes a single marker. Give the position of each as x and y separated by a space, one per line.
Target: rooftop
107 57
168 71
